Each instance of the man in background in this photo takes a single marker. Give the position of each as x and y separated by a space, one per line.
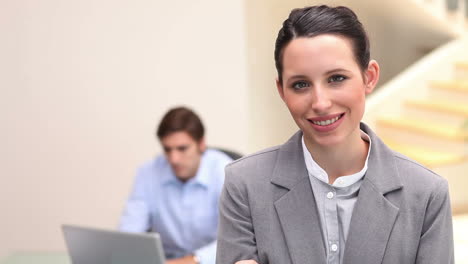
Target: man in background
176 194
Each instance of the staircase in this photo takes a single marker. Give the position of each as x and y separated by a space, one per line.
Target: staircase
423 114
432 128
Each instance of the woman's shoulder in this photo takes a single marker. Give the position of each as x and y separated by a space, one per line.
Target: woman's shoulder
414 172
256 160
391 161
252 171
266 158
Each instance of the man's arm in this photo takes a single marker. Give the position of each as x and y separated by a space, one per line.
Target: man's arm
436 243
135 217
204 255
184 260
207 254
236 238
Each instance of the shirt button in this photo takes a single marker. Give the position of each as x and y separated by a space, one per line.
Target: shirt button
334 247
330 195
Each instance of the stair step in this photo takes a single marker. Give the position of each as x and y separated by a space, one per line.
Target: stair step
462 65
448 95
431 135
461 70
440 112
459 86
425 156
451 133
439 106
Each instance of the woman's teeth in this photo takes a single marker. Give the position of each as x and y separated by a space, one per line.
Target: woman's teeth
326 122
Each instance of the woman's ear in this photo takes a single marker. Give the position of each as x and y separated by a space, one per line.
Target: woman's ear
279 87
372 76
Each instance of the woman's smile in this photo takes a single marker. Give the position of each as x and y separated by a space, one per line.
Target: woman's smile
326 123
324 89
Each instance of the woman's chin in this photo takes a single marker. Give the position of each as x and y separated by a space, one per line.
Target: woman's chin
324 141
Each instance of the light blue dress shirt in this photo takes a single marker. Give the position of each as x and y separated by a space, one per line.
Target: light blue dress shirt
184 214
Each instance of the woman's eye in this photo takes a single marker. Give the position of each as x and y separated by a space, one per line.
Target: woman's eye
300 85
336 78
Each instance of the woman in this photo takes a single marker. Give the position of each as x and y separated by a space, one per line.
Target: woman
333 193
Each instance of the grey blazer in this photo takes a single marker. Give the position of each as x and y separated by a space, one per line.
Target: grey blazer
268 212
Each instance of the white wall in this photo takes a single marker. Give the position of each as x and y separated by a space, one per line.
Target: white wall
83 85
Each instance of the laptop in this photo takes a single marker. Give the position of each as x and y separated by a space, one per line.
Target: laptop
99 246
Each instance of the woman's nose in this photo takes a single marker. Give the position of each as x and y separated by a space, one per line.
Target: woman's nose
320 99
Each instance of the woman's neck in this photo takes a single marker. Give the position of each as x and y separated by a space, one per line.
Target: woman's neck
343 159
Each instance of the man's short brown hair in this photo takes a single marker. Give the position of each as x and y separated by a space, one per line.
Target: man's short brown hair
181 119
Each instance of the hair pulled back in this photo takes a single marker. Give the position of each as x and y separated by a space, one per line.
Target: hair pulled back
317 20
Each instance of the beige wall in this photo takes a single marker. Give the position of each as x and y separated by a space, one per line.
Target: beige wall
269 120
82 86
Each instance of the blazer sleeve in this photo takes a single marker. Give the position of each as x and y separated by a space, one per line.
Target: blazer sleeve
436 242
236 236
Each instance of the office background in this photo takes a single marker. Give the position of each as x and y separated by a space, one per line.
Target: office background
84 83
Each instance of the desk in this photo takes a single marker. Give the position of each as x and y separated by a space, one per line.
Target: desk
37 258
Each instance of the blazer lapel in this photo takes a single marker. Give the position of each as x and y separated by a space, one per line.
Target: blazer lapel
371 224
373 216
297 209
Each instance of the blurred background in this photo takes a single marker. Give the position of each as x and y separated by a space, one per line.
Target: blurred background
84 83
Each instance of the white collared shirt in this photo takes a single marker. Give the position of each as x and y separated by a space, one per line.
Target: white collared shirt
343 181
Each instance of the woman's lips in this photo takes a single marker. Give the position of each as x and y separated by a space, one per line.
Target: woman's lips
326 123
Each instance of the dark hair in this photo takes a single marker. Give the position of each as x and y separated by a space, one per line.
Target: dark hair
181 119
316 20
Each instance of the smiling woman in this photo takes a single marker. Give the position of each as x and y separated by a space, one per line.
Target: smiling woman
326 98
334 193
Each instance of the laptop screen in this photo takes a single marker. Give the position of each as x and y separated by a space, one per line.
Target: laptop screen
99 246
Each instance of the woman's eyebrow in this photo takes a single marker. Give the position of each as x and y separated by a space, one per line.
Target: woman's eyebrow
336 70
299 76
